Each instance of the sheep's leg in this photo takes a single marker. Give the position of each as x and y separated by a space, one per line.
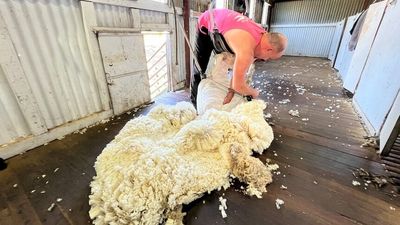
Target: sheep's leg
249 169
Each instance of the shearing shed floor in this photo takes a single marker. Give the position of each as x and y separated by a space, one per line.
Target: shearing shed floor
318 136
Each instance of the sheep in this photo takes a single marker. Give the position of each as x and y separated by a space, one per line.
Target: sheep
171 157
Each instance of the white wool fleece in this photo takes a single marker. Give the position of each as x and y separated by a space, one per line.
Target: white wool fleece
171 157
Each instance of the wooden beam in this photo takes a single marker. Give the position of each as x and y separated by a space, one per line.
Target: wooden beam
90 21
155 27
252 9
270 15
115 30
172 51
264 17
186 15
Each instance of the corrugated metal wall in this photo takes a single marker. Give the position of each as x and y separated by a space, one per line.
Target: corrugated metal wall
113 16
12 120
50 53
46 35
310 24
314 11
118 16
307 40
196 5
147 16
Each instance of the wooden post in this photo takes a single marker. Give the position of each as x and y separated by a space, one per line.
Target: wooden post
252 9
265 11
270 15
186 15
90 21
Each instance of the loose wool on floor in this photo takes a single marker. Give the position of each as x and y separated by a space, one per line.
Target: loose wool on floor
171 157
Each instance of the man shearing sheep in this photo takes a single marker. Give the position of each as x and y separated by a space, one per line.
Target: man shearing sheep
229 31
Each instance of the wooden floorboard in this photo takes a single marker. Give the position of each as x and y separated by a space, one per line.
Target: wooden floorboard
316 159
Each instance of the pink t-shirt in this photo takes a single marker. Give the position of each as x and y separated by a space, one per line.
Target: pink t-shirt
226 20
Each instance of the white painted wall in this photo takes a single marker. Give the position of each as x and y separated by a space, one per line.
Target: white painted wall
344 55
52 76
366 40
336 41
380 81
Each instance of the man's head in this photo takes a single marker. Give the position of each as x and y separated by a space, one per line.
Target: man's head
272 46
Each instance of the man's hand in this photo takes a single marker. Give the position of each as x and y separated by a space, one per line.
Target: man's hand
255 94
228 97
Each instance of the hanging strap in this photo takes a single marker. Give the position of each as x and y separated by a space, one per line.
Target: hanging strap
216 37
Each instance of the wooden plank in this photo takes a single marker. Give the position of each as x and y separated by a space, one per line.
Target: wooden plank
326 202
172 51
18 82
115 30
252 9
186 24
327 142
90 21
15 205
155 27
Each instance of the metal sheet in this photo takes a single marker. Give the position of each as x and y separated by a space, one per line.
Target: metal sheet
12 120
366 39
113 16
344 55
309 24
380 83
153 17
308 39
314 11
47 35
336 41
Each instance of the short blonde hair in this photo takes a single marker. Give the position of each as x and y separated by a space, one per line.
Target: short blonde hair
277 40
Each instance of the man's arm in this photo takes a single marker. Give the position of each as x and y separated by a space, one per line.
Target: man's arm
242 44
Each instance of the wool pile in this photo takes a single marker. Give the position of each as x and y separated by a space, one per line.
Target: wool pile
171 157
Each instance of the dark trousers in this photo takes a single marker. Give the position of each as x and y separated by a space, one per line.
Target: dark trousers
203 49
